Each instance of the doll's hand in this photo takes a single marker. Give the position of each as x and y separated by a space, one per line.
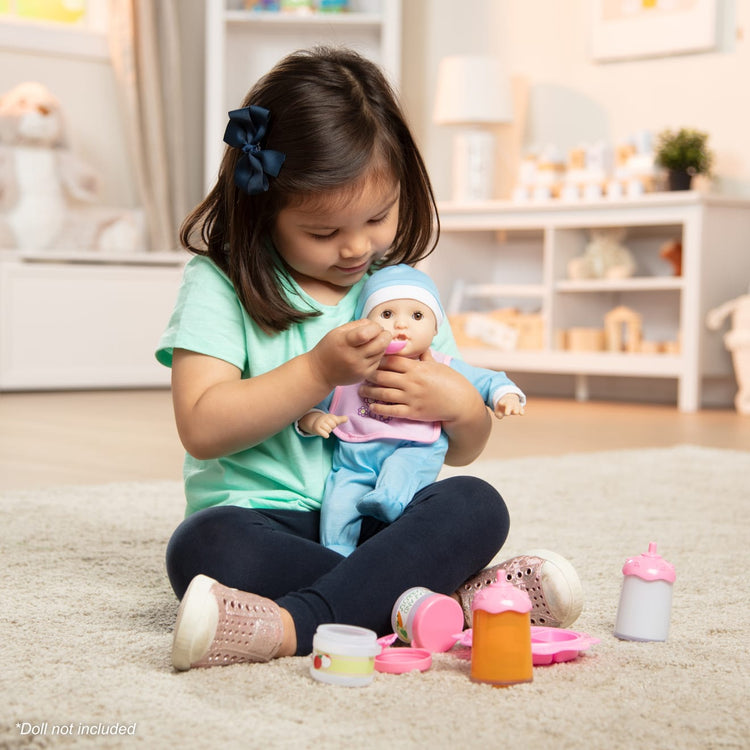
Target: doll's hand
349 353
509 404
320 423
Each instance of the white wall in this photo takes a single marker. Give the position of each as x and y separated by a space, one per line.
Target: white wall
546 42
571 97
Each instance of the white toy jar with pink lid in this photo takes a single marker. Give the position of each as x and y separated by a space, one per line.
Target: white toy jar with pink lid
427 620
646 598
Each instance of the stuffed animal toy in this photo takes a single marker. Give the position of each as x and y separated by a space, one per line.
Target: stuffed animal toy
737 341
605 257
48 197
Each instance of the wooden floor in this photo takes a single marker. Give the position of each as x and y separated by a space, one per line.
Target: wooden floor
49 439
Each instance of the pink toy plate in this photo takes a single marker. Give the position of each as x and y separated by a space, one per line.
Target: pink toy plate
548 645
400 660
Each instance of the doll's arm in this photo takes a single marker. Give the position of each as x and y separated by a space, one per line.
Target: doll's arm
499 392
319 423
509 404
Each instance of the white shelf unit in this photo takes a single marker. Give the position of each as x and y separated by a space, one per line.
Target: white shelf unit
516 255
79 320
242 45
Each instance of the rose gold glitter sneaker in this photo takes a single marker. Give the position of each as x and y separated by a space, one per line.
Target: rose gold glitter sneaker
217 625
548 578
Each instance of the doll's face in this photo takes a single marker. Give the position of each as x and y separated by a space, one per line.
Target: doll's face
407 320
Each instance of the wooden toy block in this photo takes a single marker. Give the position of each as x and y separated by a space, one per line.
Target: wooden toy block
585 339
624 329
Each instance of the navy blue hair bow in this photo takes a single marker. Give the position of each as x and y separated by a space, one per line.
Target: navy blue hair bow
246 130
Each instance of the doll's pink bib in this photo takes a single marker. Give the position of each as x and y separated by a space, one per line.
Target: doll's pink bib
363 426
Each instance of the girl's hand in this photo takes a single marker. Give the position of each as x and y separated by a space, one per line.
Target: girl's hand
427 390
349 353
420 389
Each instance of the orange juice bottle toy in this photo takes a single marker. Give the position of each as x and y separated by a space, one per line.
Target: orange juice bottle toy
501 637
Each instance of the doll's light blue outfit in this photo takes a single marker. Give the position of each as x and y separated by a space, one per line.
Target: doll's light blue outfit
380 463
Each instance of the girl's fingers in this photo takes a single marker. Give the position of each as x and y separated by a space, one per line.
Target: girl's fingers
361 332
389 395
400 411
396 364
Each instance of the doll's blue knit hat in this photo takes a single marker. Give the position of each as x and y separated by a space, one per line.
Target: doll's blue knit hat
399 282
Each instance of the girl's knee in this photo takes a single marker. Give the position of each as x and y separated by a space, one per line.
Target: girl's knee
188 545
480 503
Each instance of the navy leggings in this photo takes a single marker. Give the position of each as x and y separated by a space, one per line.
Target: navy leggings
449 531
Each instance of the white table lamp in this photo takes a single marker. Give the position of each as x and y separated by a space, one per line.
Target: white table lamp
474 92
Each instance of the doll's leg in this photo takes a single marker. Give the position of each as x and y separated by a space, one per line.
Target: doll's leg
355 472
407 470
340 521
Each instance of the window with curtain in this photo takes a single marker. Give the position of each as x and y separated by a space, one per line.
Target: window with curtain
63 27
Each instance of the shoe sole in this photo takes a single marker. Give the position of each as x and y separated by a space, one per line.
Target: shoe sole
196 623
574 593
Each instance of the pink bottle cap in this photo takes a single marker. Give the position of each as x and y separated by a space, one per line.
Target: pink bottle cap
435 622
650 566
501 596
400 660
395 346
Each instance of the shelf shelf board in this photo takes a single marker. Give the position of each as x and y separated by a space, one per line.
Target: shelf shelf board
576 363
163 258
276 18
633 284
473 291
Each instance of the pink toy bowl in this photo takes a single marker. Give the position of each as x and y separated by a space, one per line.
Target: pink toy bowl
548 645
551 645
400 660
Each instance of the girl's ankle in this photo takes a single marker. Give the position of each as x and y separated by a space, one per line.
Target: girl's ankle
289 637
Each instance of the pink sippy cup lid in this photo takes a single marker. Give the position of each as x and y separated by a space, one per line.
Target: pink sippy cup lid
501 596
650 566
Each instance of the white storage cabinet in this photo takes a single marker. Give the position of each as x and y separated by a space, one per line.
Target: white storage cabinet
82 322
516 255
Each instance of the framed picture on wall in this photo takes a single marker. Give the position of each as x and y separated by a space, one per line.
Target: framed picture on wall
625 29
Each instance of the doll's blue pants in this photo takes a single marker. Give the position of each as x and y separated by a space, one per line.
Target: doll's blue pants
376 478
449 532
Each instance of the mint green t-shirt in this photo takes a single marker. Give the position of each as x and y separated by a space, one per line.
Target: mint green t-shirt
286 470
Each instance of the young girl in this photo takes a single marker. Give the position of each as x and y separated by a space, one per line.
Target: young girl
321 182
379 463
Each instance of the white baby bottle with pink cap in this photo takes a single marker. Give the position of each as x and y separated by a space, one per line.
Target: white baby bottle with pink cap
646 597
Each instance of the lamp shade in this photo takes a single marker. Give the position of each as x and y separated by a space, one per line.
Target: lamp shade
472 89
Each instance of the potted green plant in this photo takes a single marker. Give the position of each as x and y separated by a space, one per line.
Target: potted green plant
684 154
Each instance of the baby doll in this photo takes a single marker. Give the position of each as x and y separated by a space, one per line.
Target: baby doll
379 463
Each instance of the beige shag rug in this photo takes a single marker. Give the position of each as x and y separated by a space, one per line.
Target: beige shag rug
86 617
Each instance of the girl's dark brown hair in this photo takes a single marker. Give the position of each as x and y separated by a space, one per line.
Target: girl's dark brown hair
333 114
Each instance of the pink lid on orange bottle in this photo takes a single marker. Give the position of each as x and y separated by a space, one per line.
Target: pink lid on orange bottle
646 598
501 635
